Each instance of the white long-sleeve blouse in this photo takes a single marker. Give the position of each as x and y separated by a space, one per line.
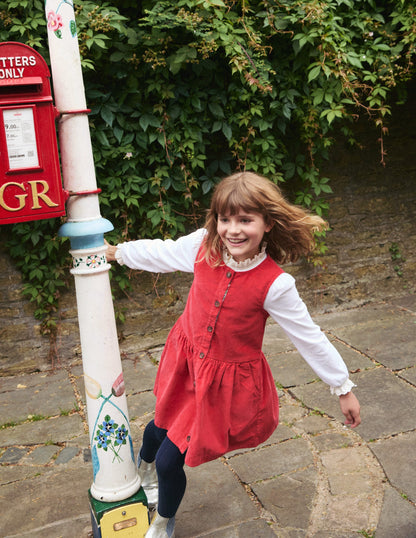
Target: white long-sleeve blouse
282 302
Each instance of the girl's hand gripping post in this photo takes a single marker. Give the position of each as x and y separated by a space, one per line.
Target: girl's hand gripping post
111 251
350 407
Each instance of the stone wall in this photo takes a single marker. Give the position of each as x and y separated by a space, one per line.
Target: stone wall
372 212
372 218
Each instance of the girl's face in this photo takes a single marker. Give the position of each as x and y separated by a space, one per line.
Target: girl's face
242 233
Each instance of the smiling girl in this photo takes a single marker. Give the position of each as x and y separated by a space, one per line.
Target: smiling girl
214 388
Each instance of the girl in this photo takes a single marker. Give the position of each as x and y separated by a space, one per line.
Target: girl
215 390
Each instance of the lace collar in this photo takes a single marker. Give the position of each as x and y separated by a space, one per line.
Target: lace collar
244 265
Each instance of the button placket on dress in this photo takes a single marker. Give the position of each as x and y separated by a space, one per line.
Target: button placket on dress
222 291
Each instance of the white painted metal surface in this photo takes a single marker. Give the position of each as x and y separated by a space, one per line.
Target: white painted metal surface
115 473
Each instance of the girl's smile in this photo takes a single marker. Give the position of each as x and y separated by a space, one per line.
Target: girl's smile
242 233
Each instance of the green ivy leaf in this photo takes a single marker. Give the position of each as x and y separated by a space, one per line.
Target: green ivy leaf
314 73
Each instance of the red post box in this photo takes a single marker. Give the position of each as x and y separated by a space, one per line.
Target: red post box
30 177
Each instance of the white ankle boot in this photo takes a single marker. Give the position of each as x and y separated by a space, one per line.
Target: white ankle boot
149 481
161 527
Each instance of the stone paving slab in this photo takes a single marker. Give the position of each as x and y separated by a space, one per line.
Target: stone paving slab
408 302
372 312
139 404
42 455
275 340
289 498
338 534
354 359
383 398
385 340
313 424
73 527
55 496
401 469
54 430
398 517
256 528
27 395
13 454
140 372
290 410
225 501
350 490
272 461
13 473
147 341
290 369
328 441
409 375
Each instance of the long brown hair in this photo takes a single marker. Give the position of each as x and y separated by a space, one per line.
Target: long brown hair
292 232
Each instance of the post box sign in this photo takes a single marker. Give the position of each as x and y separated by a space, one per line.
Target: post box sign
30 177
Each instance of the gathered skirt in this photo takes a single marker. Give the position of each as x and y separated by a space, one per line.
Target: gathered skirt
211 406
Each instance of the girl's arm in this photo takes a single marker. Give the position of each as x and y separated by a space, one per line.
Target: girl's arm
288 310
158 256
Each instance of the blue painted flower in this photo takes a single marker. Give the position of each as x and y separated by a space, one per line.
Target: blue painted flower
102 440
108 425
121 435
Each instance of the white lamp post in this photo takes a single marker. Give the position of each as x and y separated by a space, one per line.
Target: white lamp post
114 468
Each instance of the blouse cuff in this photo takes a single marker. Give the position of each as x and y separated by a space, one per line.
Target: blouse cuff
345 388
119 256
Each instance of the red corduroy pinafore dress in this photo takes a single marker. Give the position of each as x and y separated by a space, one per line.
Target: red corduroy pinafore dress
215 390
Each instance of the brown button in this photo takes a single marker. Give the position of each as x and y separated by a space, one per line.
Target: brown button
188 438
209 329
229 274
201 355
217 304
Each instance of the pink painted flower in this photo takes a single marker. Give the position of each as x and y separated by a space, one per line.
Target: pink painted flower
118 387
54 21
93 261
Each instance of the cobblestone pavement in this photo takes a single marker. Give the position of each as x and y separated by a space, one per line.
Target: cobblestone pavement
313 478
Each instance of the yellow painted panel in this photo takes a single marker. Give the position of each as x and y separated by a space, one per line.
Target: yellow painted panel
129 521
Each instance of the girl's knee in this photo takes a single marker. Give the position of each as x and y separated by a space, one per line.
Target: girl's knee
169 460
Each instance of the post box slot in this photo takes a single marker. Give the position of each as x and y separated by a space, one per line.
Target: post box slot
20 89
20 85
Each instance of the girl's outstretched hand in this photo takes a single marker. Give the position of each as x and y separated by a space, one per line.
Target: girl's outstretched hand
350 407
111 251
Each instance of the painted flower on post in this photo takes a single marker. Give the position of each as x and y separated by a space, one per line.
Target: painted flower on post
94 261
55 23
118 387
121 435
108 425
92 387
110 435
102 440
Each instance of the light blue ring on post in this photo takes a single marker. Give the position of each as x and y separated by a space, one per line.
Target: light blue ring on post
86 234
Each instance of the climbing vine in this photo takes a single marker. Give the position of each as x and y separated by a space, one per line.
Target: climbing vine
183 92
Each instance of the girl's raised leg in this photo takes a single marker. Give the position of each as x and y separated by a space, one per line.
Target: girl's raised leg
172 484
153 437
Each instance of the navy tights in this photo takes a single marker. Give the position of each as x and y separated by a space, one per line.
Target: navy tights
169 467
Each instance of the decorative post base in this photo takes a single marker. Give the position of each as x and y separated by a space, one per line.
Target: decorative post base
123 519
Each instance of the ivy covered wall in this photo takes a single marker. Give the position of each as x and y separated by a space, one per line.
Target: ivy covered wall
183 92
